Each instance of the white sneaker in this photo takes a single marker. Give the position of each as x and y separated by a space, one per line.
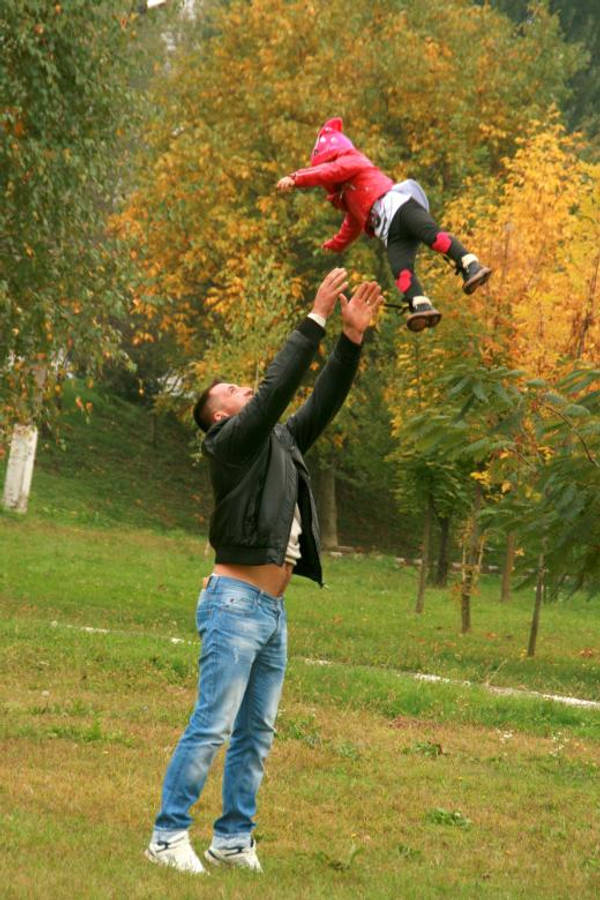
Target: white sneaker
178 853
244 857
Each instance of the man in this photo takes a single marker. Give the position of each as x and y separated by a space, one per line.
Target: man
264 527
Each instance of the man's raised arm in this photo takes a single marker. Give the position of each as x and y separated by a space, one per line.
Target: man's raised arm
335 379
241 435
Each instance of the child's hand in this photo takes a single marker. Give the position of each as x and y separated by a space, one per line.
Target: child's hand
332 245
286 184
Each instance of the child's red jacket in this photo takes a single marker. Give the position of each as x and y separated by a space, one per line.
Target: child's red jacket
353 184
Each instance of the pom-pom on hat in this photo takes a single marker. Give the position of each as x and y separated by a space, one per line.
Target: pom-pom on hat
331 142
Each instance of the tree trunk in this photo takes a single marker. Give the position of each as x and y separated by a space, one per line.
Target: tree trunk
588 317
19 471
424 555
327 507
441 576
471 551
21 459
509 561
539 594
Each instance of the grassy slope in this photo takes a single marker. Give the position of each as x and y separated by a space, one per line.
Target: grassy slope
370 766
110 468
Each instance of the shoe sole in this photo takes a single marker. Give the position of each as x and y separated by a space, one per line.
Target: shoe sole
228 864
170 865
479 279
420 320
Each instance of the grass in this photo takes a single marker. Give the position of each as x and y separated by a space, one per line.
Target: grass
119 465
378 785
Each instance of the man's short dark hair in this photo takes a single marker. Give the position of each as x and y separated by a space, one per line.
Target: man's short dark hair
202 407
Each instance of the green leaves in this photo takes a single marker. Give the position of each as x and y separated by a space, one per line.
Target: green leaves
64 103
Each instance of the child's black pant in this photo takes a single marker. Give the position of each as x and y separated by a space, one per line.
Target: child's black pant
412 225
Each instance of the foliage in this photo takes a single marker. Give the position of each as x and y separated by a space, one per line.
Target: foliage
244 97
466 403
580 23
540 231
565 520
64 106
247 87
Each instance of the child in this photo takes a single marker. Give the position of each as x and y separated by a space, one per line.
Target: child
398 214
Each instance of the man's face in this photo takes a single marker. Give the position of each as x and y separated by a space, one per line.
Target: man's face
229 399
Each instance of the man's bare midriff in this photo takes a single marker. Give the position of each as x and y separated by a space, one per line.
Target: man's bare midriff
270 578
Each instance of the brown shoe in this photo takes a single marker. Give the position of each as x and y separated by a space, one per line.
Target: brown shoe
422 314
474 275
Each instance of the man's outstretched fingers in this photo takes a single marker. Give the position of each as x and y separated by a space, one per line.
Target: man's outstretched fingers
334 283
368 292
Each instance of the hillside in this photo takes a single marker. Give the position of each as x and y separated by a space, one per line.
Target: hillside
123 464
119 464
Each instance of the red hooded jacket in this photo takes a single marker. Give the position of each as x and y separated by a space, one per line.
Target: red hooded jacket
353 183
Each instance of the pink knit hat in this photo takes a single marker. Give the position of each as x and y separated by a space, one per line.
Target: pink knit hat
331 142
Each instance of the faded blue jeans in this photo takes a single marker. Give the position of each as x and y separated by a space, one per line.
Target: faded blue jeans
242 665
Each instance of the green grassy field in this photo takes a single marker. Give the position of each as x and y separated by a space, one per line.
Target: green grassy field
379 785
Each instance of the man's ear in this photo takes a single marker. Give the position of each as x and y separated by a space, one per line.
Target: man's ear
218 415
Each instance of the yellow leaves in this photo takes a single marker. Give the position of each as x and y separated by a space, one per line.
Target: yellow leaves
490 131
542 247
483 478
142 337
84 407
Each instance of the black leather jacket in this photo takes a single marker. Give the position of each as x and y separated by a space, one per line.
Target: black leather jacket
257 468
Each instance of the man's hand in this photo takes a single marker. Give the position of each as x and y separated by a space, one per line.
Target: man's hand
286 184
332 286
359 312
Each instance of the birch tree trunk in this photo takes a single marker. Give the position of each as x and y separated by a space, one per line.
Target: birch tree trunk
21 459
19 472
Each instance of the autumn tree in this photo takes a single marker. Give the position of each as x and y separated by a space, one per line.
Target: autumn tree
239 107
580 23
65 109
538 227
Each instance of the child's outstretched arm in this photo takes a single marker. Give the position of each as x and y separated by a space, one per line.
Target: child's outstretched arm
350 229
334 172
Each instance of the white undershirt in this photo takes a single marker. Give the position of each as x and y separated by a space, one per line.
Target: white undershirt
292 554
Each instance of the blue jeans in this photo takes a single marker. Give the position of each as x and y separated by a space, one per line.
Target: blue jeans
242 665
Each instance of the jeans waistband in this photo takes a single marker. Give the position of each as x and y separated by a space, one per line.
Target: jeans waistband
224 581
